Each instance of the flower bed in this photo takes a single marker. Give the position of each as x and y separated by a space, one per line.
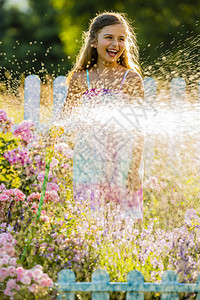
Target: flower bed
70 235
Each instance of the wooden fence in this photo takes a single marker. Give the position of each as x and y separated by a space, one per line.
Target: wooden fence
32 94
135 287
177 94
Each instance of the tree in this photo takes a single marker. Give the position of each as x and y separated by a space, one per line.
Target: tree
165 29
30 42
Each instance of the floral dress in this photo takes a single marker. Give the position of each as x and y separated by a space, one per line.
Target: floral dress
103 153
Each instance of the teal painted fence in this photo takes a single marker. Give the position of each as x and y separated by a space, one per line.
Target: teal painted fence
135 287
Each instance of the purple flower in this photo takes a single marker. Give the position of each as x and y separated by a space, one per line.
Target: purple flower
25 131
18 155
3 116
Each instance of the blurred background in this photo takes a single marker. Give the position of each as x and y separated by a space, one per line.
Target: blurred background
44 37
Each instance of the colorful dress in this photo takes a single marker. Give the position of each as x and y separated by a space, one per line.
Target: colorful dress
103 153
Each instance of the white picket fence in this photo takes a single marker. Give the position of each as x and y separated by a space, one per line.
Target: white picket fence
32 94
177 94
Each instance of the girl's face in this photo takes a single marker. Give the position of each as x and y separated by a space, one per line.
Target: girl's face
110 44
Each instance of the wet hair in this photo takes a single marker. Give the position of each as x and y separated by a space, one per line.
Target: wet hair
87 56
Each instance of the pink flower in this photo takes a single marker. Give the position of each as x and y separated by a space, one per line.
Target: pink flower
11 284
11 271
8 292
34 207
13 261
23 126
3 197
3 274
37 273
2 187
33 196
40 176
51 196
6 237
66 166
46 281
19 195
26 136
152 183
26 280
3 116
29 273
20 272
24 131
54 163
51 186
9 249
4 260
33 288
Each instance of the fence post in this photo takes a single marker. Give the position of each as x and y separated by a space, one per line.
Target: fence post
100 276
198 282
177 90
169 277
150 87
135 276
59 94
65 276
32 99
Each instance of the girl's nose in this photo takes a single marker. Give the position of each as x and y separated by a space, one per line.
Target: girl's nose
115 42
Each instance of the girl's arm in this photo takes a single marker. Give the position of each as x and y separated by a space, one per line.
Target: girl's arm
75 91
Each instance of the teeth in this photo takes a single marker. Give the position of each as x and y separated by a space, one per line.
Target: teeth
114 51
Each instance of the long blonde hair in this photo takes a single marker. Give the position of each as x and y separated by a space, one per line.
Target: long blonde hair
87 56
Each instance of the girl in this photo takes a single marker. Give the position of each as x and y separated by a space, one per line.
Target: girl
107 163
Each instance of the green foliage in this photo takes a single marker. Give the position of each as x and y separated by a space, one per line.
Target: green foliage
160 26
29 41
41 39
8 175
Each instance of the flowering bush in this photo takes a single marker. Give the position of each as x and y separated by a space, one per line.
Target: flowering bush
69 235
24 165
25 131
5 122
16 281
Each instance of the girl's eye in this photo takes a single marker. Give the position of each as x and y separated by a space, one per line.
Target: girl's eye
108 37
121 39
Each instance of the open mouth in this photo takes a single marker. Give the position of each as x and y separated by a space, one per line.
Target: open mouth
112 53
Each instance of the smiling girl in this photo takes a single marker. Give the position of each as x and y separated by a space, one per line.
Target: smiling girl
107 163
